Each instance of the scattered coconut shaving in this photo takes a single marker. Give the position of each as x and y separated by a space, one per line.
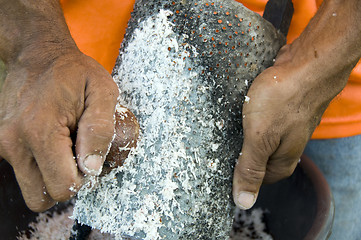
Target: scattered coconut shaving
50 226
57 226
187 98
249 225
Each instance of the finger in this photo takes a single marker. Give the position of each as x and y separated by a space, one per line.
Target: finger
31 183
96 125
247 179
251 166
278 169
284 160
51 147
26 170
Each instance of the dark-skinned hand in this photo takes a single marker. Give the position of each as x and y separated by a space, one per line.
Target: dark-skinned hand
56 104
287 100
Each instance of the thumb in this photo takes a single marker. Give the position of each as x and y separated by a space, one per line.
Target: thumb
248 175
96 129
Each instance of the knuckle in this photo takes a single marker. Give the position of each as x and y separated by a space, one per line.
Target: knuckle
276 174
109 93
251 175
10 144
61 196
103 128
289 171
264 141
33 126
284 174
61 193
103 85
113 87
32 131
40 205
267 142
64 187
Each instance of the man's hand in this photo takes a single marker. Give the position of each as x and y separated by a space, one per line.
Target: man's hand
56 104
278 122
42 108
287 100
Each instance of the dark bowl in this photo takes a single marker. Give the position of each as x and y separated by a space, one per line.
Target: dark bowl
299 207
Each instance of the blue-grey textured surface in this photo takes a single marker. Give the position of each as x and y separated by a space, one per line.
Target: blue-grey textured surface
340 161
183 70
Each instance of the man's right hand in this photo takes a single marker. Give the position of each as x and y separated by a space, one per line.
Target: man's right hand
52 93
42 108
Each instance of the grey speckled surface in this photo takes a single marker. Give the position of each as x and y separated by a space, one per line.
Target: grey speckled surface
184 70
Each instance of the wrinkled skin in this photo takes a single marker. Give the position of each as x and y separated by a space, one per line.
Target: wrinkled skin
279 120
41 109
287 100
52 93
56 104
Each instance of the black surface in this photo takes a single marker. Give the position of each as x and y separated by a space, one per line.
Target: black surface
15 216
80 231
291 206
291 203
279 13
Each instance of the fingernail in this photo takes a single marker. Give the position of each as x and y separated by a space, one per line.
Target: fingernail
245 200
93 164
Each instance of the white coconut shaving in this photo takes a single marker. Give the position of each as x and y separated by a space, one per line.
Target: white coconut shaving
177 182
168 156
246 99
57 226
50 226
248 225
